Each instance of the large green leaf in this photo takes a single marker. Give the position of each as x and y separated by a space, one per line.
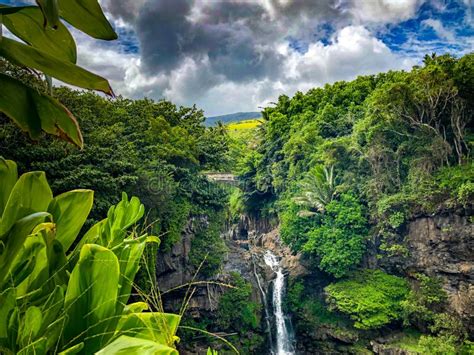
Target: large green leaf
30 194
34 111
50 11
21 270
70 211
158 327
36 246
91 237
135 346
65 71
50 266
13 244
30 326
8 178
91 298
27 24
87 16
119 218
7 305
129 255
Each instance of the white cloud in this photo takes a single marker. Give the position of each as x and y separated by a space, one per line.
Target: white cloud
384 11
235 55
439 29
353 51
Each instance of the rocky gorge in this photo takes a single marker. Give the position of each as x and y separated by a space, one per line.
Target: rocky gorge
439 246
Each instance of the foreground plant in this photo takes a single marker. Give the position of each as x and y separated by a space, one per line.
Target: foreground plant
61 293
46 46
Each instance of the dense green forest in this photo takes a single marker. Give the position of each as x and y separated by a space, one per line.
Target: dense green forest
370 153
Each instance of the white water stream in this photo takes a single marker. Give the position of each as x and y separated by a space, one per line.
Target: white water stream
283 337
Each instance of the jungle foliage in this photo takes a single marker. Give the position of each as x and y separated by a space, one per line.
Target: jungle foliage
371 298
61 293
366 155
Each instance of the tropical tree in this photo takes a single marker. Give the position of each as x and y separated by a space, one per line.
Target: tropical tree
317 189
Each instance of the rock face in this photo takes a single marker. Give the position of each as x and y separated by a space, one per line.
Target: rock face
443 246
173 270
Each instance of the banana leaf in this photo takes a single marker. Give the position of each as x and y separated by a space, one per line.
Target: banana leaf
70 211
33 111
87 16
8 178
50 11
13 245
91 298
30 194
28 25
65 71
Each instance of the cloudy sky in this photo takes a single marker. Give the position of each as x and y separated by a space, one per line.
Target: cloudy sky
238 55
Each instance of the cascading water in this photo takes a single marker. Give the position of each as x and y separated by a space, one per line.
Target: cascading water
284 339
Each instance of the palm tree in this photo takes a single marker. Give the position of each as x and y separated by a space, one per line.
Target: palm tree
317 189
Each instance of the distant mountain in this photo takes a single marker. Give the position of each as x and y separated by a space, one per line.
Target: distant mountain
233 117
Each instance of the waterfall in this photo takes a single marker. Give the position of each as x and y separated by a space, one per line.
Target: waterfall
284 341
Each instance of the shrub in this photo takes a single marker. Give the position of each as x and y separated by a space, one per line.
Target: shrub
340 238
371 298
62 290
448 325
458 181
294 227
236 310
423 300
396 219
442 345
207 247
466 193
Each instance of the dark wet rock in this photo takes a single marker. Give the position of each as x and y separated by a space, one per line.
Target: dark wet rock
443 246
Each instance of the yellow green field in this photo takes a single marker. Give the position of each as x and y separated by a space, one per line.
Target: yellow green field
243 125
